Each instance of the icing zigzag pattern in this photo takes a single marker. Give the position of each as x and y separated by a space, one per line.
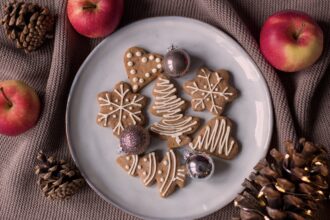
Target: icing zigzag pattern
215 138
174 127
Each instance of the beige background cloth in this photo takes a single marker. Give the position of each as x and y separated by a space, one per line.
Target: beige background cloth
301 101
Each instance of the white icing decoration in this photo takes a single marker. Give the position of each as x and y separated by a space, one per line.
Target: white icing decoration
119 109
161 179
151 57
144 173
144 59
130 63
159 172
130 108
110 108
138 53
127 158
169 106
114 116
215 139
129 55
141 80
147 75
134 165
139 167
159 66
135 87
157 60
133 71
172 174
135 79
152 169
126 100
154 70
208 93
127 167
165 162
124 116
145 159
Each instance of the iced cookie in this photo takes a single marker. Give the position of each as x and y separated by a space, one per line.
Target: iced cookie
170 174
120 108
210 90
174 125
144 167
142 67
215 139
166 103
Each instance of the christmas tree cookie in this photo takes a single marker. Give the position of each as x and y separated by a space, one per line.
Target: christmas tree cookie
174 125
145 167
170 174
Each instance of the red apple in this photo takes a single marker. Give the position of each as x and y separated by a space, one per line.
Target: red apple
291 40
95 18
19 107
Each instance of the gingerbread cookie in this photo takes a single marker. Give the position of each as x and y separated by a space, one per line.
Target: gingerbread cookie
170 174
210 90
142 67
215 138
167 103
144 167
120 108
174 127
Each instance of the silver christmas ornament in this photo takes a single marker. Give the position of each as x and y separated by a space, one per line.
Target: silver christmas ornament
176 62
134 140
199 165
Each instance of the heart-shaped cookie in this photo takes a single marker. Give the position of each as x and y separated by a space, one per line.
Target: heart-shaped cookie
142 67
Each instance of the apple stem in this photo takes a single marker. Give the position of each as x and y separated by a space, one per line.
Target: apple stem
88 6
297 34
6 98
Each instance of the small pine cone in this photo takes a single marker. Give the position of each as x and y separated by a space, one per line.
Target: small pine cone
289 186
57 179
27 24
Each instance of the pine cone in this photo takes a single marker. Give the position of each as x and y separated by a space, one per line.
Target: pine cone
57 179
27 24
290 186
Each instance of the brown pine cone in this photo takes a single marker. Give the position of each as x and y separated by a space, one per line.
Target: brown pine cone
57 179
290 186
27 24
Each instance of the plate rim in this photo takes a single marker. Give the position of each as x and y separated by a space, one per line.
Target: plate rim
91 54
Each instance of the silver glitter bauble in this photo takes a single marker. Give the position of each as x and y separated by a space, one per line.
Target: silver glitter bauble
176 62
134 140
199 165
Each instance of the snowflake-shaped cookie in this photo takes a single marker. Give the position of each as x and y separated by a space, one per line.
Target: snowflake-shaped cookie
210 90
120 108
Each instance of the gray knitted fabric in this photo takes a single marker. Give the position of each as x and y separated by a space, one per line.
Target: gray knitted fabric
301 101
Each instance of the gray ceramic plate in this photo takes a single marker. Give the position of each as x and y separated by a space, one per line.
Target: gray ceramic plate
94 148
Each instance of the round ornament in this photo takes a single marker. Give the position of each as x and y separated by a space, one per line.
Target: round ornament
199 165
176 62
134 140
